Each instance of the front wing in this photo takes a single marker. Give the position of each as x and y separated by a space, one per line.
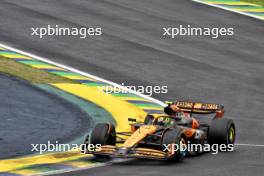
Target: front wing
119 152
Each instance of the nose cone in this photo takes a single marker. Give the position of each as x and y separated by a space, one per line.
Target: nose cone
138 135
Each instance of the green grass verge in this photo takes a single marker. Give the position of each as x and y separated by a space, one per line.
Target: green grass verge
259 2
13 68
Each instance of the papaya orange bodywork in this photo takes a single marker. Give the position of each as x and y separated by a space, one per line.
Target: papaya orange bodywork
139 134
195 124
189 132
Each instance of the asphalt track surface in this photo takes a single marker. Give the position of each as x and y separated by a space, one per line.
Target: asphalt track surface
227 70
32 116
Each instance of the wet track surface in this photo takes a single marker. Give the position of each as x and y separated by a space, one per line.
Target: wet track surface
227 70
31 116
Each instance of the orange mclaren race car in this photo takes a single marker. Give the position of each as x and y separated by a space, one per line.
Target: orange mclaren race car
166 137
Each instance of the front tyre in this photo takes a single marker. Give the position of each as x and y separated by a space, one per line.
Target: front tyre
103 134
174 144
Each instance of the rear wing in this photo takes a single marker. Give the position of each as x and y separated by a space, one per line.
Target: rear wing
198 107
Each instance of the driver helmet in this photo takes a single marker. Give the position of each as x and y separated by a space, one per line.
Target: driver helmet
174 111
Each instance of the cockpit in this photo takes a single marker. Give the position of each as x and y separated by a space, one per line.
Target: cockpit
171 121
165 121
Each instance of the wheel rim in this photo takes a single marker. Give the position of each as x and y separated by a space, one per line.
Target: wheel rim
171 149
231 135
183 146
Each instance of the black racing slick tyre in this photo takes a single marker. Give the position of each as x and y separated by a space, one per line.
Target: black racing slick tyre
173 144
104 134
222 131
148 119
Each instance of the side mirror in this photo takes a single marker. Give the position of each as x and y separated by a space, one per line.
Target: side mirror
132 120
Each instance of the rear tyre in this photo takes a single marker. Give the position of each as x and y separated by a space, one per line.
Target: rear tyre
104 134
175 142
222 131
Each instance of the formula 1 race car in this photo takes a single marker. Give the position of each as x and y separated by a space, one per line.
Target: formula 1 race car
163 136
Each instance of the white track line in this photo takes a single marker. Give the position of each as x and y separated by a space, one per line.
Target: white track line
82 73
84 168
72 170
250 145
228 9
